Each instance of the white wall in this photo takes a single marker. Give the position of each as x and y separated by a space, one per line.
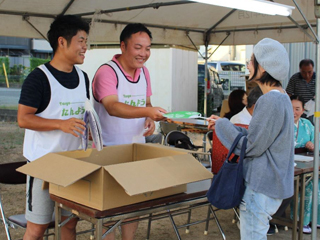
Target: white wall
173 75
40 44
184 80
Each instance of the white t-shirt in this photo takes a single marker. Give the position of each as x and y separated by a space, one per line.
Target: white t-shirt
243 117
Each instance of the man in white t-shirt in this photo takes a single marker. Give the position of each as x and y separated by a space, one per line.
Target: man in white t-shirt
244 117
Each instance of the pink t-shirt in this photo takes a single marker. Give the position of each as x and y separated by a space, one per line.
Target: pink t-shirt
105 80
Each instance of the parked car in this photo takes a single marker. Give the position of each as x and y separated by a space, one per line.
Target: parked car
214 90
231 74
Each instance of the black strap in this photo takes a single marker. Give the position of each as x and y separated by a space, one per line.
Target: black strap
234 145
30 193
243 149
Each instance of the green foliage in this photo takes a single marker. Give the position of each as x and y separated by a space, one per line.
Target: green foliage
15 74
17 69
35 62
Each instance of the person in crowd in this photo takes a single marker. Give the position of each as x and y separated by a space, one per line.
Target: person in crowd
304 138
237 100
244 117
303 83
121 90
269 159
303 128
51 108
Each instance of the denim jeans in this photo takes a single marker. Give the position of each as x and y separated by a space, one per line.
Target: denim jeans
256 210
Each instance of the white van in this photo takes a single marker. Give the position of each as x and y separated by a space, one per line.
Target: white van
231 75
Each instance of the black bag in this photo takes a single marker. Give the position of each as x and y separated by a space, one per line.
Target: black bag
184 143
227 187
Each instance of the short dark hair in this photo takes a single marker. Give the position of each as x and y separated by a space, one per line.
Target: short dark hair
235 102
65 26
298 98
133 28
254 96
306 62
266 78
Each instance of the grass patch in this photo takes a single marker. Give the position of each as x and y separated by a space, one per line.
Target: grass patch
11 136
10 107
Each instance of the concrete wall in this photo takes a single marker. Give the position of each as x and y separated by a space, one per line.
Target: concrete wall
173 75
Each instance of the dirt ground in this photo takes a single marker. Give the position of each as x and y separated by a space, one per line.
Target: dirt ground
11 141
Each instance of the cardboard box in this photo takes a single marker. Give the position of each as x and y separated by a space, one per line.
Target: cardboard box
117 175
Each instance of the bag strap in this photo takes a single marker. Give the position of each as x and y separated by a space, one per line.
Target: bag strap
234 144
243 149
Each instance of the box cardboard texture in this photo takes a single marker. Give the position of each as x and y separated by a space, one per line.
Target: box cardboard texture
117 175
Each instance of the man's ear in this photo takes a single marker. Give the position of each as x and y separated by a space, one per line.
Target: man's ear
122 46
62 42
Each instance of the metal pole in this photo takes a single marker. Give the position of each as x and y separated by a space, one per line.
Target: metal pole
205 79
316 134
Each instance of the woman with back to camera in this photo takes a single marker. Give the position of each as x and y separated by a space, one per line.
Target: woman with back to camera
304 138
237 100
268 167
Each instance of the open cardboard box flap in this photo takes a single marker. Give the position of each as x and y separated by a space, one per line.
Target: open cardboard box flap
58 169
159 173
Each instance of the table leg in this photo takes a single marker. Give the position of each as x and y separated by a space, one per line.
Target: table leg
217 222
98 232
207 222
174 225
295 207
204 141
302 198
57 229
149 226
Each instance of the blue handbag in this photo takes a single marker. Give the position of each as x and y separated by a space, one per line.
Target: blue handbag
227 187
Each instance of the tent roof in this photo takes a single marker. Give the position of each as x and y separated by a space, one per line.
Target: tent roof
171 22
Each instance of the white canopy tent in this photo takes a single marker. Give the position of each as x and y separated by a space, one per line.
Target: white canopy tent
182 23
171 22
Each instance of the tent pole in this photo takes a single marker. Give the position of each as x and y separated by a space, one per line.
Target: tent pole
194 45
313 38
205 79
306 20
26 18
316 133
228 34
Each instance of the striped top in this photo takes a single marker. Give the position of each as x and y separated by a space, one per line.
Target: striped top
298 86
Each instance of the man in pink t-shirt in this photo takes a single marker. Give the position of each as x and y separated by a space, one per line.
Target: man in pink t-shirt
121 91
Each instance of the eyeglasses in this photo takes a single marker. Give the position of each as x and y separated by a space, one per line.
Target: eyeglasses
249 61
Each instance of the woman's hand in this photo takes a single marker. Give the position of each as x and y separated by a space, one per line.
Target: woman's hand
310 146
212 121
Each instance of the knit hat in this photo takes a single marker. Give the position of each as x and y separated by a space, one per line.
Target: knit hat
273 57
